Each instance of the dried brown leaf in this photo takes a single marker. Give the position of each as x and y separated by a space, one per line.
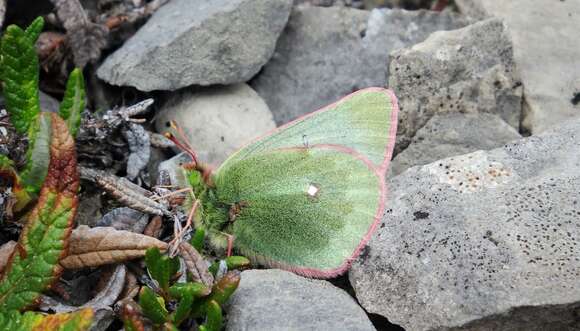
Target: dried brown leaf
92 247
155 227
126 192
5 252
195 264
125 219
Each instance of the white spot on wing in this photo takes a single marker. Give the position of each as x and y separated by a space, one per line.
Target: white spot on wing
312 190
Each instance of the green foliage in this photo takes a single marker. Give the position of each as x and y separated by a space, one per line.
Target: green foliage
73 103
197 240
50 171
34 265
232 262
20 75
161 267
179 302
75 321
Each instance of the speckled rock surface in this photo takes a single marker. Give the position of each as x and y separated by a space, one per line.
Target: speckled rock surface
466 70
452 134
199 42
217 120
545 37
280 300
482 241
316 64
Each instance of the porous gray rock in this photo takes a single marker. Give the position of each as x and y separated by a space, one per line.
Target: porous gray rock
316 64
545 37
483 241
466 70
198 42
280 300
217 120
451 134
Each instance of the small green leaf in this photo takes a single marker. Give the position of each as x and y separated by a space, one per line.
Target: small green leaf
37 155
161 267
183 309
73 103
34 29
197 239
197 290
79 320
232 262
214 320
153 306
20 76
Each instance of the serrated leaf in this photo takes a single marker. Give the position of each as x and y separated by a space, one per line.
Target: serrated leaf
183 309
161 267
93 247
73 103
215 319
79 320
34 29
44 239
153 306
20 75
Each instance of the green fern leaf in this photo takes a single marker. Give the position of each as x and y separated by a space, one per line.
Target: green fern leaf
73 103
20 75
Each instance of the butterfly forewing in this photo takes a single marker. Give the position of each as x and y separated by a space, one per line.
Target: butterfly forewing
364 121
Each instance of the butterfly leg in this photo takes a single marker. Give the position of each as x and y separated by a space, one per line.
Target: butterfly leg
230 244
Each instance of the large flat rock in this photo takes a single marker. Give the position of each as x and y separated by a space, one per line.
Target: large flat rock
280 300
199 42
467 70
545 37
483 241
327 53
452 134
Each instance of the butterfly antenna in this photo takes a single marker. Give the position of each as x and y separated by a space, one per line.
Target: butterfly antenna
181 142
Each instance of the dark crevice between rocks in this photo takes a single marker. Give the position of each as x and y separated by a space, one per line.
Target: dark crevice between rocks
381 323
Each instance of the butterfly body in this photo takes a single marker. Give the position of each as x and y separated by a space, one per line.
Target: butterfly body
308 196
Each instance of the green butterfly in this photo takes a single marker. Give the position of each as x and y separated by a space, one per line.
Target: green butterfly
307 196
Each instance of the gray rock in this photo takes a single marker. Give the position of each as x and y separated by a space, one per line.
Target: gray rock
452 134
198 42
483 241
316 64
466 70
545 37
280 300
218 120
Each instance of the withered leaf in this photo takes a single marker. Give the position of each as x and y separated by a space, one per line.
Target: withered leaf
125 218
195 264
92 247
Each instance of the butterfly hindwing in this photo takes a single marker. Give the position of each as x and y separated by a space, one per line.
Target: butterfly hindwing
306 209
